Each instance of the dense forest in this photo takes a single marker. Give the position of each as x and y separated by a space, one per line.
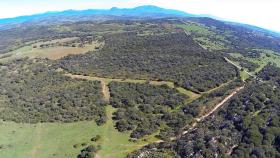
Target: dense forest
248 126
34 92
171 57
144 108
270 73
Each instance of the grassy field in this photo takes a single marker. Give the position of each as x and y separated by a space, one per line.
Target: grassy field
53 53
192 96
56 140
244 75
202 36
266 57
191 27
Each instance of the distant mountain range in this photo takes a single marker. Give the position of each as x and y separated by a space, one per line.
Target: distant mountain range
147 11
142 11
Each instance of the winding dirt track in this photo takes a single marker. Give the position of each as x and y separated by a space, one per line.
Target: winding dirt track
185 130
200 119
239 67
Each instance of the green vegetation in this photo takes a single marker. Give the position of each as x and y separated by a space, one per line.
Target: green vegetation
248 126
161 77
196 28
205 36
34 93
210 44
244 75
266 57
57 139
270 73
53 49
259 62
207 100
145 108
192 96
171 57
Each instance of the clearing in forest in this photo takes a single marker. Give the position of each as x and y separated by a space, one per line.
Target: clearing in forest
54 50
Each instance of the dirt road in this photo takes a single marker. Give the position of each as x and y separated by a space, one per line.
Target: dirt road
200 119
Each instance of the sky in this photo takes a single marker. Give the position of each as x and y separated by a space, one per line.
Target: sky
262 13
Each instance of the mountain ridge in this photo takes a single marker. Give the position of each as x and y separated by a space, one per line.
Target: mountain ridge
145 11
149 10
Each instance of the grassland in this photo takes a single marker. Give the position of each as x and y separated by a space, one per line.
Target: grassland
56 140
54 53
210 44
204 36
244 75
266 57
191 27
192 96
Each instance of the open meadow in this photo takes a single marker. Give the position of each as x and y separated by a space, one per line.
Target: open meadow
56 140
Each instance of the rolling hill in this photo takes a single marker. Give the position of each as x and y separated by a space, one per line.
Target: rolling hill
137 83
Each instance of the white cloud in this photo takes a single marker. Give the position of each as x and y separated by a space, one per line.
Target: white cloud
263 13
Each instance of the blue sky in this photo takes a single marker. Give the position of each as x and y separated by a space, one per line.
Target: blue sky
263 13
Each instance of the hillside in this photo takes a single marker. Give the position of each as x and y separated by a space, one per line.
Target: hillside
166 84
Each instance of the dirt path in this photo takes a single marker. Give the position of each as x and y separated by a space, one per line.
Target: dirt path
220 104
97 156
106 92
220 86
38 137
104 85
200 119
239 67
231 149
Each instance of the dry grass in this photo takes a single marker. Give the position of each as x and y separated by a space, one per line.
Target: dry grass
53 52
59 52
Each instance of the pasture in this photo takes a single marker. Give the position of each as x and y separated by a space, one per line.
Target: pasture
56 140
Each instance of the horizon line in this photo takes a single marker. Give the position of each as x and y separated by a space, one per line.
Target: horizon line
201 15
